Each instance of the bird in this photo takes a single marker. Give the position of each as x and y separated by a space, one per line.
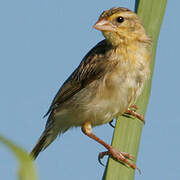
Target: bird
105 85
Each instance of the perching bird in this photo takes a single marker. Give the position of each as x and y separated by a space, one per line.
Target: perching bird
105 84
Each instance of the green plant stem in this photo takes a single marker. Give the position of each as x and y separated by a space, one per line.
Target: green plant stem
127 132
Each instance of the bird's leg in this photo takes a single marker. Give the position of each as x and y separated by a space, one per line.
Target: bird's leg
115 154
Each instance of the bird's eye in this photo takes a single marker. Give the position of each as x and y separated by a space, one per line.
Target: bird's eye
120 19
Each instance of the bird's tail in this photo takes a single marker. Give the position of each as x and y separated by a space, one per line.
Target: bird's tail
44 141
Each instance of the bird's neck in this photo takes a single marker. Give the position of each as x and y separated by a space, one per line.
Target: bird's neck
115 39
131 52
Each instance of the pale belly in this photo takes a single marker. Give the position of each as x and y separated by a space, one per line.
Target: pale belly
99 103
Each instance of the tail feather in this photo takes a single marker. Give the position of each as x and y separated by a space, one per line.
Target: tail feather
49 135
44 141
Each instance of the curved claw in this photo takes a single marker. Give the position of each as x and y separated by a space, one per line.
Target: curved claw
99 159
110 123
101 155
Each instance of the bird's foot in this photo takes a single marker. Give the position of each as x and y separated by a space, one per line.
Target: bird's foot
135 114
130 111
119 156
133 107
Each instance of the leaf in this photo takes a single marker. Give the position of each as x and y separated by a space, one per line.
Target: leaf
27 169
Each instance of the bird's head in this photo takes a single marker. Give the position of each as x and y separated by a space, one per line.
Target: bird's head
120 25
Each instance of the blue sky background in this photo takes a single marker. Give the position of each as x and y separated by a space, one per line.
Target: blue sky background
41 43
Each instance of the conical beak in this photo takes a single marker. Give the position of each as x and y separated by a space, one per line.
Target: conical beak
104 25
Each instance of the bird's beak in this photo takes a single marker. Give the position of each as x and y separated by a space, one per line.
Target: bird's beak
104 25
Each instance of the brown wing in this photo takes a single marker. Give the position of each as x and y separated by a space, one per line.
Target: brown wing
92 67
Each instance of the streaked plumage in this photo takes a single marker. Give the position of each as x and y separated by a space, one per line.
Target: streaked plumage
108 80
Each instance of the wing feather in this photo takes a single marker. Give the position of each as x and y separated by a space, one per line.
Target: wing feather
92 67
